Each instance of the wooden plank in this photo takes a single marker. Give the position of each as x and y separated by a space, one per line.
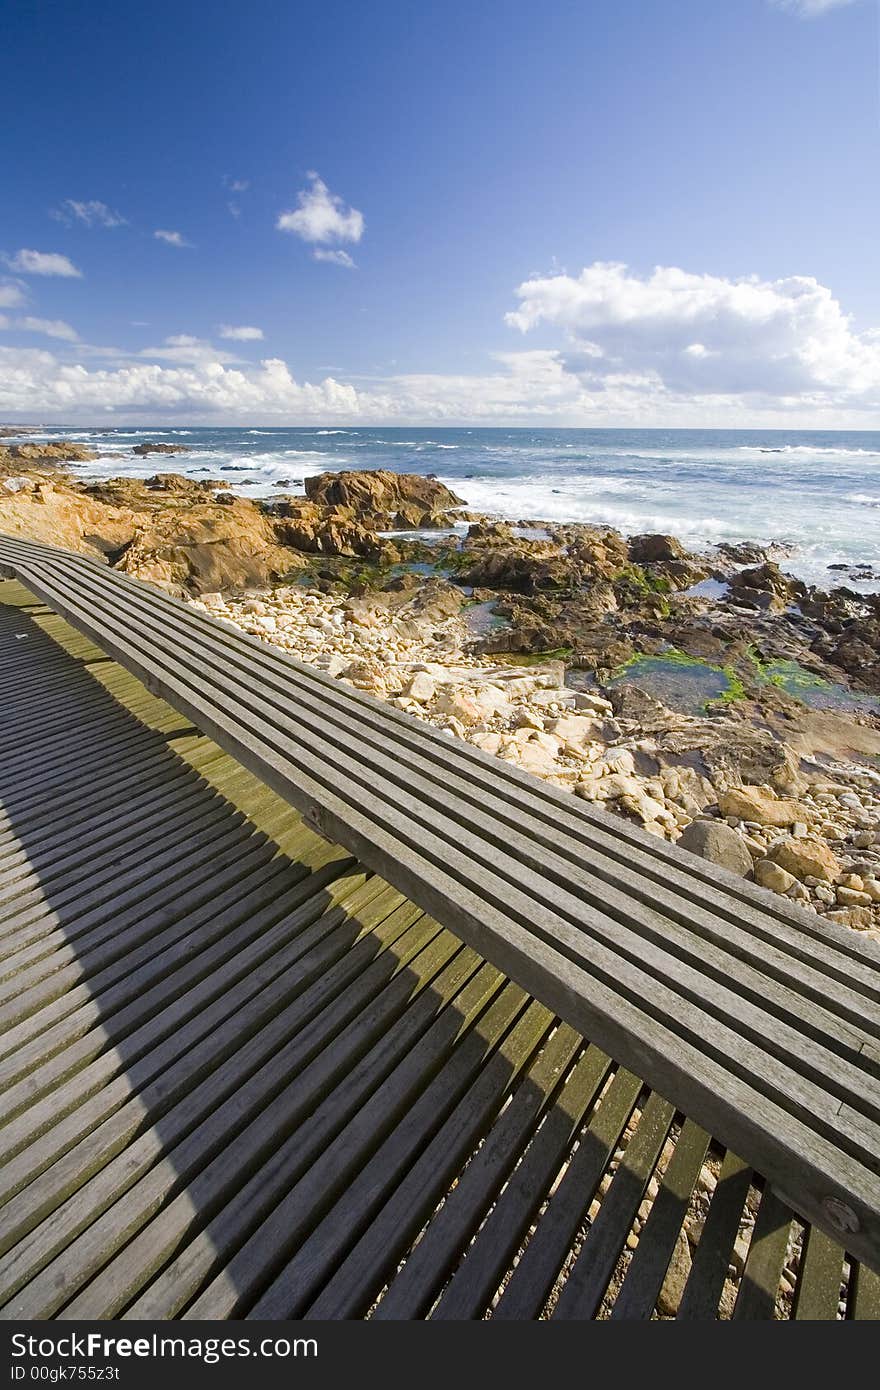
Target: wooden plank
864 1300
358 1057
488 1258
646 1271
588 1278
275 1242
253 893
415 1286
712 1256
89 1217
759 1285
819 1278
402 1008
544 1255
347 1273
318 938
240 882
87 1064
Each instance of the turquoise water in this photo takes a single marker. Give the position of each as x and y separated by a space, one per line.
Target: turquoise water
819 491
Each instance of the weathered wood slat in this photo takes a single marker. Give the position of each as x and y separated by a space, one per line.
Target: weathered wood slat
199 1119
272 1086
591 1271
365 1051
819 1277
533 1278
645 1273
765 1260
413 1288
712 1257
488 1259
725 1108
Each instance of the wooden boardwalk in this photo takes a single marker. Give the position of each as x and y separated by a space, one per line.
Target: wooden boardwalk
243 1076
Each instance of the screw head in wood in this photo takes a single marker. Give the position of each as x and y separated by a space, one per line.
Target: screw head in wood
841 1216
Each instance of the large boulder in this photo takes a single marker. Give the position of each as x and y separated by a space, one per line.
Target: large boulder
151 448
180 486
763 807
806 858
655 549
59 516
717 842
378 493
765 587
64 451
525 566
598 551
208 547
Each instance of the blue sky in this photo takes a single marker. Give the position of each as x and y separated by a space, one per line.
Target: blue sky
568 213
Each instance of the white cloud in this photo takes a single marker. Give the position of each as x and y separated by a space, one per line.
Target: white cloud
322 217
11 295
42 263
236 185
183 347
670 348
172 238
334 257
35 380
809 9
52 328
240 333
702 334
92 213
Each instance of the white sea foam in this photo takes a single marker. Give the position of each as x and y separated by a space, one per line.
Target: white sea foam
811 450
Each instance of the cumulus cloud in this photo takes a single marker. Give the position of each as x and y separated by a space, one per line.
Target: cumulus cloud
809 9
210 388
240 333
27 262
172 238
11 295
669 348
92 213
703 333
323 220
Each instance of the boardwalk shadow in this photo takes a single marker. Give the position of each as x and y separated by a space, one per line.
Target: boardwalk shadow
223 1043
240 1075
176 946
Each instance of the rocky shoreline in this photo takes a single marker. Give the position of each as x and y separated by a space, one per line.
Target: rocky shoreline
709 697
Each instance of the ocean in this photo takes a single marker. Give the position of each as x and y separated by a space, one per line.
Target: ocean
820 492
